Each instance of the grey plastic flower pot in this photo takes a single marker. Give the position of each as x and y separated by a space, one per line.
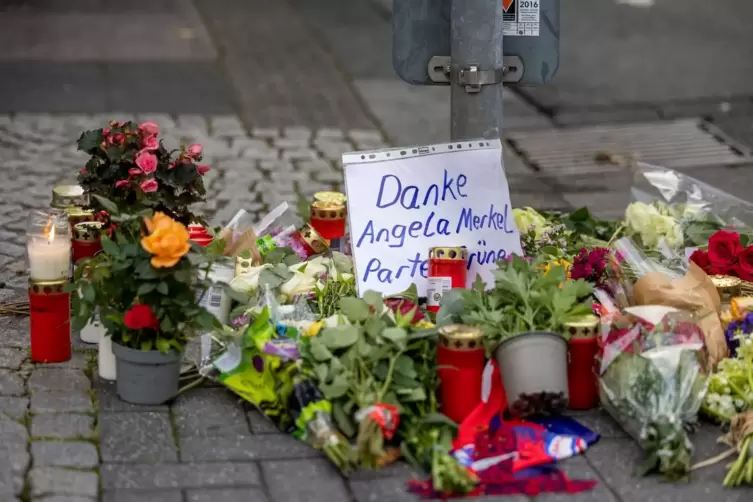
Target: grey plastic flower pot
531 363
146 376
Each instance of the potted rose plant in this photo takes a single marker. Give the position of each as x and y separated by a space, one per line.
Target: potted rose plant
523 317
131 167
144 286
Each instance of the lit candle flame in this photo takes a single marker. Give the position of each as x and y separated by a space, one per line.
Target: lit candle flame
49 231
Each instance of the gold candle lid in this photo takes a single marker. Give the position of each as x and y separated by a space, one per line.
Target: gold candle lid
330 197
461 337
585 327
65 196
47 287
327 210
243 265
313 239
727 286
87 231
448 253
79 212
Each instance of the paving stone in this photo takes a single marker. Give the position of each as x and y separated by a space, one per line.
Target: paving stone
606 205
292 143
232 495
209 412
265 132
329 133
11 249
54 379
136 437
11 358
64 454
304 480
259 423
14 407
602 116
60 402
80 357
600 422
11 384
300 154
54 480
392 489
297 132
64 498
14 461
15 330
579 468
240 448
151 496
108 400
62 426
228 125
165 476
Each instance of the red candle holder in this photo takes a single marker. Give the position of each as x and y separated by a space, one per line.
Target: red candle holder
49 321
461 359
583 348
87 240
447 270
200 235
328 218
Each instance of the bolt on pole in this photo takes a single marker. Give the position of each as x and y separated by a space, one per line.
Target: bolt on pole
477 69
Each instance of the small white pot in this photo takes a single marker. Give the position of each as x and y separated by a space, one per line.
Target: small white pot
93 331
106 359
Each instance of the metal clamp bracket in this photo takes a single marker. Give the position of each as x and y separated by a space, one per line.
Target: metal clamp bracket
441 70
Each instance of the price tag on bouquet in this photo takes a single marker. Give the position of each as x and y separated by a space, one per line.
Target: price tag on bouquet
403 201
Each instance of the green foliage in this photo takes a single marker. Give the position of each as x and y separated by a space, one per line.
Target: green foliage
122 276
179 182
525 298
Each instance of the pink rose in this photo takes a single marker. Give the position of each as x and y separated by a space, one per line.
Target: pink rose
202 169
83 171
150 143
195 150
117 139
149 185
134 171
146 161
150 128
121 183
105 131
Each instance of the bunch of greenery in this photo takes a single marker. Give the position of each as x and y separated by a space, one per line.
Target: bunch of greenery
144 283
527 296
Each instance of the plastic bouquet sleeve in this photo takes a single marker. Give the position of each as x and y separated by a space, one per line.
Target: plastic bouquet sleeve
652 382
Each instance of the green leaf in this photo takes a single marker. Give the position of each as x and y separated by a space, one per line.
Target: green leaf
363 347
374 299
270 278
163 345
206 320
395 334
106 204
342 419
166 325
355 309
291 259
162 288
319 351
90 140
321 372
404 366
338 388
147 345
339 337
144 288
439 419
89 293
110 247
412 395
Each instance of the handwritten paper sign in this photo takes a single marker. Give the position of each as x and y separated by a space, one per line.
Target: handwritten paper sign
403 201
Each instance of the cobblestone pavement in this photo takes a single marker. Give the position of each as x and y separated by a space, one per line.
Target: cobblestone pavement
69 438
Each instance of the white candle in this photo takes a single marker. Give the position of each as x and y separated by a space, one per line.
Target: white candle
106 358
49 260
93 331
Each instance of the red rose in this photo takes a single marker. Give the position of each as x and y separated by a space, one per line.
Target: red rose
701 258
723 249
744 267
141 317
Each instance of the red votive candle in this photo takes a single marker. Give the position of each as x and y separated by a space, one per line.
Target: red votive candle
200 235
49 321
86 240
447 270
583 348
460 359
328 218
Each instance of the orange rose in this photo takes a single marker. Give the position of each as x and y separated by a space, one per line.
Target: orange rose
167 241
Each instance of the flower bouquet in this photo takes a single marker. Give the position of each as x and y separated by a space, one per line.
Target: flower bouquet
728 253
651 381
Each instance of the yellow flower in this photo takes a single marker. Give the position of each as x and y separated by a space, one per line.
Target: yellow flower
167 241
314 329
422 324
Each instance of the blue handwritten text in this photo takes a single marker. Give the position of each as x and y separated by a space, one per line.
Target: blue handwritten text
395 236
392 191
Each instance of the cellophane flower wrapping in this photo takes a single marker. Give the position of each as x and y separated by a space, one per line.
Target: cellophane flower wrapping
672 213
652 383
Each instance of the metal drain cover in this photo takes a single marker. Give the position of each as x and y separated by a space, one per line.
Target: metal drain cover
681 144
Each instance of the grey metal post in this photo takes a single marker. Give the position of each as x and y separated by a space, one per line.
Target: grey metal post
476 39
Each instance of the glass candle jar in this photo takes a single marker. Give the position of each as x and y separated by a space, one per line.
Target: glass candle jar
48 246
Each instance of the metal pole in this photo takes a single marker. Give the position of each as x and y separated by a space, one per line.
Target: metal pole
476 39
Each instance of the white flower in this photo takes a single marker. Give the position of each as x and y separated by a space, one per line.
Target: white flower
527 217
652 225
346 277
249 280
309 268
299 284
334 320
